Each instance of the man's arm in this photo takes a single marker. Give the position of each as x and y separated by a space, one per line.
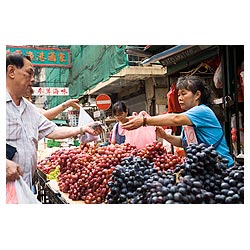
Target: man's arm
67 132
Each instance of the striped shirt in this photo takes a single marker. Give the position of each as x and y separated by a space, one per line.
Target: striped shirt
25 126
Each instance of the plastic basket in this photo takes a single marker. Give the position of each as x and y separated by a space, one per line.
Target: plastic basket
76 143
57 144
50 143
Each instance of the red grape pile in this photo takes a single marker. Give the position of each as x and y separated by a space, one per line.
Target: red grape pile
85 172
49 163
158 154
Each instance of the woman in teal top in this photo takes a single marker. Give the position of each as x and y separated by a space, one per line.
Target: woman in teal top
208 130
193 98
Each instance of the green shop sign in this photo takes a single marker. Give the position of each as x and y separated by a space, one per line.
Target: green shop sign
44 57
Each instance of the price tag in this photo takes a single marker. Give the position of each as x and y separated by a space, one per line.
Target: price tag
97 114
190 135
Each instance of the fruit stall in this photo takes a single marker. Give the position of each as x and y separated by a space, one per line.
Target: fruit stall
123 174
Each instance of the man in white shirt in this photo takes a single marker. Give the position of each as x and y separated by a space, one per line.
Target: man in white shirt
25 126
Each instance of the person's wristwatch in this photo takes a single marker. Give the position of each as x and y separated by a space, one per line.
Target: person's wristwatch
64 106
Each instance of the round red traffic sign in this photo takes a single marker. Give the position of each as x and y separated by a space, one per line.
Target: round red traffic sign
103 101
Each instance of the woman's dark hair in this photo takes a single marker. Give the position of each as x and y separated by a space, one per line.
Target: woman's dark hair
193 84
16 60
119 107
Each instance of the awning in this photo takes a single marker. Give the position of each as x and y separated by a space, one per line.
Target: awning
175 54
203 56
128 76
146 51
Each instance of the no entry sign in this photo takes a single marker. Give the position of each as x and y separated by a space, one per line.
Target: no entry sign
103 101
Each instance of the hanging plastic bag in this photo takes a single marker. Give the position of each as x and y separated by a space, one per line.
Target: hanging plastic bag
11 196
18 192
141 136
165 143
218 82
85 118
173 103
234 128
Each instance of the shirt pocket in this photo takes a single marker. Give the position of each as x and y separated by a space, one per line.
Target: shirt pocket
13 129
34 136
32 132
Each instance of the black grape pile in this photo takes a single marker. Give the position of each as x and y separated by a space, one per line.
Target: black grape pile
128 183
208 177
203 178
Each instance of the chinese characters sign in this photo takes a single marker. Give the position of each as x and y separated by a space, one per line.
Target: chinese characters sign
50 91
44 57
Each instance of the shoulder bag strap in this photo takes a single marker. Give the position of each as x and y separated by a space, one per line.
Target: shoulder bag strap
218 142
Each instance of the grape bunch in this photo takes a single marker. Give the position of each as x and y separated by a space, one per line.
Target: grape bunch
53 175
137 181
204 178
232 186
49 163
155 152
85 171
128 178
215 182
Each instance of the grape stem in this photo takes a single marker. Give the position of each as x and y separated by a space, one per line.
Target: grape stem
177 176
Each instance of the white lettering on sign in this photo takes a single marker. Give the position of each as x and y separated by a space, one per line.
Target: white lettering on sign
38 91
103 102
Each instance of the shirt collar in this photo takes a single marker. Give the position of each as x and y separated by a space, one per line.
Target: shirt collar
8 97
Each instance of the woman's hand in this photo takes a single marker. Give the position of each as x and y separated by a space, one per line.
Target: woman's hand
160 132
133 122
